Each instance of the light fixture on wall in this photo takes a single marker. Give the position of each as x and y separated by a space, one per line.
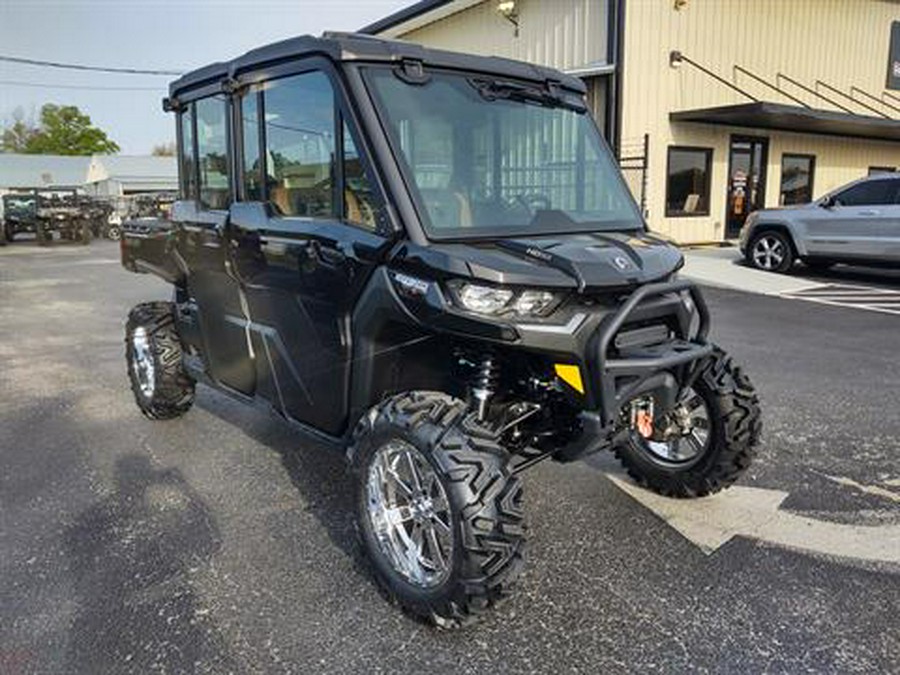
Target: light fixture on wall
509 11
679 4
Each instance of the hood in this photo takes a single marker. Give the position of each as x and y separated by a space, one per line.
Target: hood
583 261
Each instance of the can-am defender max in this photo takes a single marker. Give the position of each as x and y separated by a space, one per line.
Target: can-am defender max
431 260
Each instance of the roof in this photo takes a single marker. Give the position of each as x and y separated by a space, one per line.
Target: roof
43 171
409 13
766 115
133 169
365 48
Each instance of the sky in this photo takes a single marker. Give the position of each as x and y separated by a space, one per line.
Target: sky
151 35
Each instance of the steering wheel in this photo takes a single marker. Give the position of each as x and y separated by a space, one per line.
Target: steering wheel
534 201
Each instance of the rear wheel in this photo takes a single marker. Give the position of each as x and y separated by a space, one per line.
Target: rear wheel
84 233
439 512
162 388
114 233
705 443
771 251
43 235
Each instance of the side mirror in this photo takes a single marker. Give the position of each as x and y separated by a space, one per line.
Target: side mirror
828 202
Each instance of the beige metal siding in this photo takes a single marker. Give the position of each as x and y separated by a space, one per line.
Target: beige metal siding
559 33
842 42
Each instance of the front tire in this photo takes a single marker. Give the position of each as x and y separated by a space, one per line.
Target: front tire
771 251
732 426
449 544
162 389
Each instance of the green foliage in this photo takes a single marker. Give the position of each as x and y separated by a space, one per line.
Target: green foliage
64 130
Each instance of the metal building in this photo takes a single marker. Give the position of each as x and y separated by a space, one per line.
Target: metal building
715 108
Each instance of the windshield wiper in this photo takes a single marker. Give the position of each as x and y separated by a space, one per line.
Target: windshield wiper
550 96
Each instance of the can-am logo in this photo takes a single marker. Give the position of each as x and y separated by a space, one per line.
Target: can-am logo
621 263
538 253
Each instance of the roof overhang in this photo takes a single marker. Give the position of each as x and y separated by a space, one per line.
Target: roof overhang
765 115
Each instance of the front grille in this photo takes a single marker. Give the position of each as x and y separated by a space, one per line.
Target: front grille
644 336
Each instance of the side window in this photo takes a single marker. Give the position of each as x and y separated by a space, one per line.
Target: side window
212 152
870 193
360 203
188 166
300 145
250 140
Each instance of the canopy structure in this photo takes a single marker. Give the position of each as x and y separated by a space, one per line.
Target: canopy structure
766 115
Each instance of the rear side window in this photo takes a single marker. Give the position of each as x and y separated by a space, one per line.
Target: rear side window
212 152
300 145
250 134
188 167
870 193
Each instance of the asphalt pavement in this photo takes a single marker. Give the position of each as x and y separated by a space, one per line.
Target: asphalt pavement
223 541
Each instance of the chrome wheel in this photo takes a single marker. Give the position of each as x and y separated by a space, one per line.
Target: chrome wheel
409 514
681 437
769 252
142 361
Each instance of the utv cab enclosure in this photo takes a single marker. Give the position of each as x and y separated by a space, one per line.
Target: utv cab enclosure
429 260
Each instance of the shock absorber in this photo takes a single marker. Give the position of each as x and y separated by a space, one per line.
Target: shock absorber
484 382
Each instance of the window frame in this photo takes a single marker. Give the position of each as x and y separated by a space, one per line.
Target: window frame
812 174
254 83
183 182
708 152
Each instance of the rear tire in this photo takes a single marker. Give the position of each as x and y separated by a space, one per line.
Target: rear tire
84 233
43 235
735 426
162 389
771 251
485 522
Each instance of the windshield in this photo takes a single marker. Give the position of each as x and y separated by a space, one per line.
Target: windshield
496 158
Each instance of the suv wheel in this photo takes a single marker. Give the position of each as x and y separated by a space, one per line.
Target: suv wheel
771 251
710 436
438 510
113 233
162 388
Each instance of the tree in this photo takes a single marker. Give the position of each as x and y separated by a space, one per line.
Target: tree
18 132
64 130
164 150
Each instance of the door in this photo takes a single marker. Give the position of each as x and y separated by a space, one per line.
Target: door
201 220
860 221
746 189
304 250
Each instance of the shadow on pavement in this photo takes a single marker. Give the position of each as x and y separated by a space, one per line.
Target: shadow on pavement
130 556
318 471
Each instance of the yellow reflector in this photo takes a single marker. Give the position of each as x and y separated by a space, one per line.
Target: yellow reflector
569 374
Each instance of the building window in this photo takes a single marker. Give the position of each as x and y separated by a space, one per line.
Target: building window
188 166
687 181
212 152
797 173
252 171
299 133
877 170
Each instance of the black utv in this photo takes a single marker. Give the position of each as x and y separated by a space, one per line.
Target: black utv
430 260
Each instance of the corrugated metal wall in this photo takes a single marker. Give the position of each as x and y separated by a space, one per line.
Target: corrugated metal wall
842 42
559 33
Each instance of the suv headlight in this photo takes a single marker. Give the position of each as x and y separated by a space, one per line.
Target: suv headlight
498 301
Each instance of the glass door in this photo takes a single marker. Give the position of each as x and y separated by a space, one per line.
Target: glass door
746 189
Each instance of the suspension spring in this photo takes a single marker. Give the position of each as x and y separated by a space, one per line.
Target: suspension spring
484 383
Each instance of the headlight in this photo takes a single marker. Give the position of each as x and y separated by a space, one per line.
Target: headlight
495 301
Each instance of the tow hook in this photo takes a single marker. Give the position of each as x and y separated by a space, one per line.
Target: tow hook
642 416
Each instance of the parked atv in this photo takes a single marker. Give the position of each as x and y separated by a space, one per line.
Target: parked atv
430 260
